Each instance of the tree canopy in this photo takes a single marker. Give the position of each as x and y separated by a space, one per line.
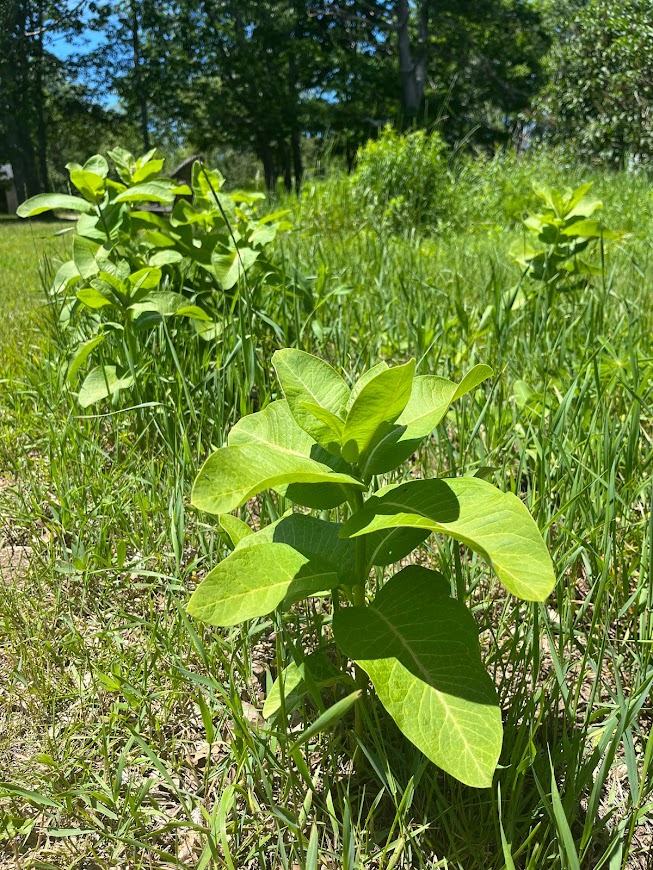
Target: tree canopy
267 76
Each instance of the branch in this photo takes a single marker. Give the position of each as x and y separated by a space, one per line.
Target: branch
57 21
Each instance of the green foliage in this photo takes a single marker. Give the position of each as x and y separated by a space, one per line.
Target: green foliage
121 717
147 249
566 228
323 446
601 87
404 179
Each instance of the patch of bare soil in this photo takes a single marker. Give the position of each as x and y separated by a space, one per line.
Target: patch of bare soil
14 550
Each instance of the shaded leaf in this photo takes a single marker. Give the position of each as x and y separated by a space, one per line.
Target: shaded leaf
235 528
276 427
81 354
429 401
317 667
312 537
102 382
229 268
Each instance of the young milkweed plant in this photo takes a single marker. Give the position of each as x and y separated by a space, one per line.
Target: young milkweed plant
322 447
565 230
148 249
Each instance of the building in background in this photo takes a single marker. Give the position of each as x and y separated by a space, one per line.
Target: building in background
8 193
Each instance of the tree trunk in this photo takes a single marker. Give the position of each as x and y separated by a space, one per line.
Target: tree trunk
267 158
39 105
287 169
295 142
422 50
138 84
298 165
410 99
412 65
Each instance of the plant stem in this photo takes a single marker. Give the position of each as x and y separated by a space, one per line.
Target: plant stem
358 596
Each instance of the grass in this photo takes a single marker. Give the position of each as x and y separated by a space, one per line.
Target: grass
131 737
20 249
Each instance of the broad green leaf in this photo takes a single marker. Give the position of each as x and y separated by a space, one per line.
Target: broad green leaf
97 164
85 253
207 330
472 379
276 427
49 201
364 379
66 275
584 228
307 381
100 383
152 191
147 278
206 182
429 401
420 649
81 354
145 219
551 196
316 668
162 302
315 537
375 409
312 537
388 546
235 528
252 582
263 235
165 258
150 169
577 197
495 524
193 312
123 160
232 475
90 185
88 226
335 424
93 298
229 268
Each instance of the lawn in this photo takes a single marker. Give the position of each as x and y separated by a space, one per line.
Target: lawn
20 278
132 736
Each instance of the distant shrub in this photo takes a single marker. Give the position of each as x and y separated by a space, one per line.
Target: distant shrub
404 179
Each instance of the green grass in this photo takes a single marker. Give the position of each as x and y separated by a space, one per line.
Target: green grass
20 285
131 737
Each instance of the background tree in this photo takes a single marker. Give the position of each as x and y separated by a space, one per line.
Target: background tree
32 81
473 65
601 91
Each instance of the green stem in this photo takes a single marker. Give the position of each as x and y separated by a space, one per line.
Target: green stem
358 597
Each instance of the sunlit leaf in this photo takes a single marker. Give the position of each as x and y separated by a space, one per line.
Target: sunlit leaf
420 648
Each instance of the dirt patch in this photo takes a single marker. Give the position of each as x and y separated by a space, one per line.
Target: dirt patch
14 552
